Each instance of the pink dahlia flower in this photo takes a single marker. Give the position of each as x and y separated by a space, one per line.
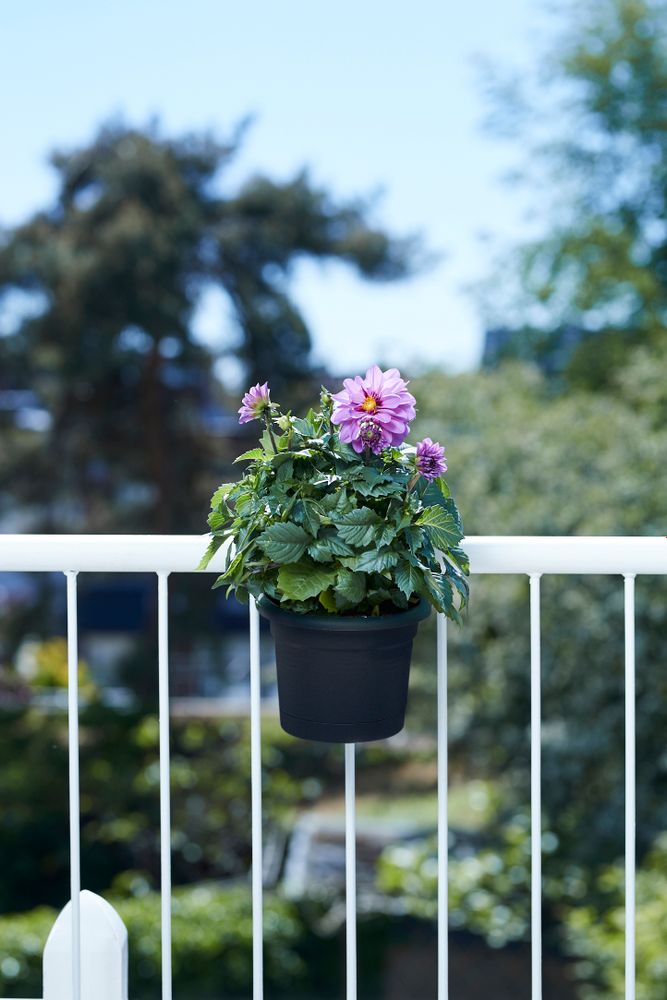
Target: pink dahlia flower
430 459
374 412
372 436
255 403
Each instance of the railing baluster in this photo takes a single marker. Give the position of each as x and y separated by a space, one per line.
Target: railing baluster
165 791
74 794
256 806
630 794
443 819
350 874
535 788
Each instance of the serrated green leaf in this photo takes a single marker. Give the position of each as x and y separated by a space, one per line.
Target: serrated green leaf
373 561
441 527
413 536
328 601
344 450
439 594
459 581
320 552
284 542
435 491
217 518
243 499
434 497
211 550
232 568
267 444
459 558
408 579
328 546
378 596
381 490
299 581
437 588
221 493
358 527
279 458
285 471
369 481
307 513
303 426
250 456
335 502
388 534
350 588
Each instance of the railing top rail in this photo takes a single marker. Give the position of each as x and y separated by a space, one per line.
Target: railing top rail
181 553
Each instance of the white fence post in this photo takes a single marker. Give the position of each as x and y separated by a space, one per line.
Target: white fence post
103 953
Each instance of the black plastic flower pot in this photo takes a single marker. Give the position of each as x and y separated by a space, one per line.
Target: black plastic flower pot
342 679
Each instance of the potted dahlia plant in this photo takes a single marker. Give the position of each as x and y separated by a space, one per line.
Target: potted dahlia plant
346 536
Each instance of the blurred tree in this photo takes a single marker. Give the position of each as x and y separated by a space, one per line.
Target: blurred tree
524 462
595 284
99 293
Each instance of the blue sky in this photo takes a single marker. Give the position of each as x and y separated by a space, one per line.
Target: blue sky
370 95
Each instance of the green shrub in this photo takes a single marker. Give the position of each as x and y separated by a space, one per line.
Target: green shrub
489 890
525 462
596 933
212 944
210 768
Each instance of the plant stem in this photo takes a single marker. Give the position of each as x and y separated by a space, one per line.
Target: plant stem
267 419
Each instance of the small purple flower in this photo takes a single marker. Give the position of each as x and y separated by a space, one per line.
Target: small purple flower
430 459
380 404
371 435
255 403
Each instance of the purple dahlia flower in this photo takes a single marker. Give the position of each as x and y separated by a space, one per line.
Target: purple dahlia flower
372 436
430 459
374 412
255 403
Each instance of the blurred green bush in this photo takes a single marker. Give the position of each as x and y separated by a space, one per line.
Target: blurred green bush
524 461
595 934
212 944
584 910
210 782
119 801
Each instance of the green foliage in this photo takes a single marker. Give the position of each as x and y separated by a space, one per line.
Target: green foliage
442 527
526 462
584 911
489 894
489 888
596 933
298 582
210 797
120 807
320 528
284 542
592 284
212 944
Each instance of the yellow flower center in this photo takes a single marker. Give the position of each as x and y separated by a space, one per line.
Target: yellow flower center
370 404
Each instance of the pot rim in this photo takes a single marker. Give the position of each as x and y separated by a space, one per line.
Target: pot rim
343 623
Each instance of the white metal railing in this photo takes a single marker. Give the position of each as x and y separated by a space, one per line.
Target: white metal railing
532 556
